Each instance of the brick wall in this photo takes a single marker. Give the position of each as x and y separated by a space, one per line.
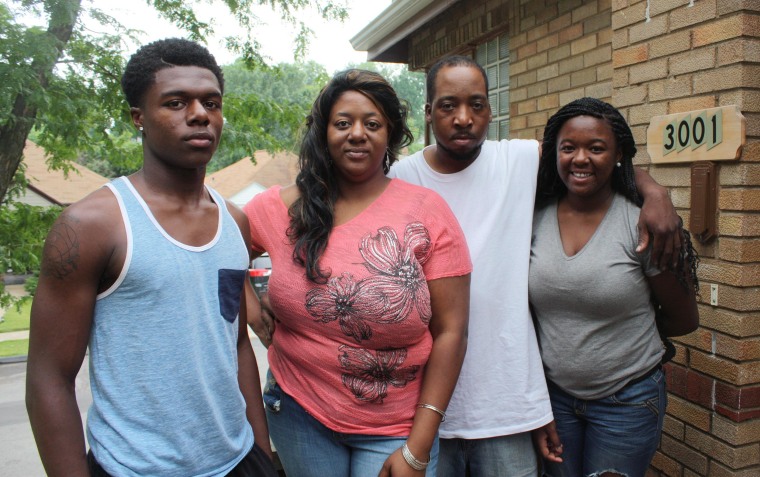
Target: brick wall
671 56
561 50
456 31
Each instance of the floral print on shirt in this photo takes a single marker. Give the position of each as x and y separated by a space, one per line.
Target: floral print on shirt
395 288
368 373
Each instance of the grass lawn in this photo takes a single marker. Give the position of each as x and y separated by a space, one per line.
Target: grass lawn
15 320
14 348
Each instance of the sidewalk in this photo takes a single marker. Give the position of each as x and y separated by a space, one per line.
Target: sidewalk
14 335
16 290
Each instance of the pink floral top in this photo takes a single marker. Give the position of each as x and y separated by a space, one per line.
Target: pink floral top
352 351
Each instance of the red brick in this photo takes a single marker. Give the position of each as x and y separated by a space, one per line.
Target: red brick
675 376
737 397
737 416
699 389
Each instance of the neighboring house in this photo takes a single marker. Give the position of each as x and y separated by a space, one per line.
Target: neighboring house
48 187
649 58
242 180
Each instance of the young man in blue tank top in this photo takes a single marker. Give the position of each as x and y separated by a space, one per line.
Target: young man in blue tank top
149 273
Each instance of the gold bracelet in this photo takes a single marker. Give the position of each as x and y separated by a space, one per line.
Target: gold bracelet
411 460
423 405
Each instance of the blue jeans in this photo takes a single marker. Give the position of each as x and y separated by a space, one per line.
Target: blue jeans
503 456
618 433
307 448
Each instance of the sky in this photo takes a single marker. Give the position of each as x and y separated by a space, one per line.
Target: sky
330 45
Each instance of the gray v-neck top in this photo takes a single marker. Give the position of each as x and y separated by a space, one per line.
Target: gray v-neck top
594 318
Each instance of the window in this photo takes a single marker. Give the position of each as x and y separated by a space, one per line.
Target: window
493 56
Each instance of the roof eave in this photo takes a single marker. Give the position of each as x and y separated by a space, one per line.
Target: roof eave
47 197
384 38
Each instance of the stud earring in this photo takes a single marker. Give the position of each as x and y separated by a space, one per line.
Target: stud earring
618 164
140 128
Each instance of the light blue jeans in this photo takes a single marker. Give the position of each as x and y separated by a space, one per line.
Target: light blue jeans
503 456
307 448
618 433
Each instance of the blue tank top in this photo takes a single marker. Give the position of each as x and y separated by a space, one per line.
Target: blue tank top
163 351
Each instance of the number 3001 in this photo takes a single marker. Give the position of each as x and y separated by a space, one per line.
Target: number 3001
693 132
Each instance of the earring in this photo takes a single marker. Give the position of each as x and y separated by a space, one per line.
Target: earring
140 128
618 164
387 163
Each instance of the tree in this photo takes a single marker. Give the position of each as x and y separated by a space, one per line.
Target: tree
410 86
23 228
265 108
61 83
63 80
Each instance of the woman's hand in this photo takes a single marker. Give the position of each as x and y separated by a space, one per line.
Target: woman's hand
262 323
396 466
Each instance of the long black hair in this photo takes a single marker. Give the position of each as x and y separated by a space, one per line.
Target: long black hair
551 187
311 215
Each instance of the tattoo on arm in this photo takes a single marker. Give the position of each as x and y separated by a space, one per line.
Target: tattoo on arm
61 250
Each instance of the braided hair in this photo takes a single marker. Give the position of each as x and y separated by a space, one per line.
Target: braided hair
311 215
550 187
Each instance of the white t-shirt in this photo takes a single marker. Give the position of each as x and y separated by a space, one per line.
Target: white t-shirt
501 389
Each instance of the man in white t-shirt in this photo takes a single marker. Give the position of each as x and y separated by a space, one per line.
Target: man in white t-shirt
501 394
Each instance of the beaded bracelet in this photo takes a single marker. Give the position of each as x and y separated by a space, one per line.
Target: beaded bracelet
432 408
411 460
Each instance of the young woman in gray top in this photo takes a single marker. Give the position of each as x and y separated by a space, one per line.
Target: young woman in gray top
594 298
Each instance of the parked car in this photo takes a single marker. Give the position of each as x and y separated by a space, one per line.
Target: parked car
261 268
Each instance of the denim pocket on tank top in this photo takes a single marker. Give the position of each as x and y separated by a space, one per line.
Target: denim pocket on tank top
230 290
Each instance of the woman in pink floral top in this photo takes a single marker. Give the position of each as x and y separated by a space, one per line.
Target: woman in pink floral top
370 287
